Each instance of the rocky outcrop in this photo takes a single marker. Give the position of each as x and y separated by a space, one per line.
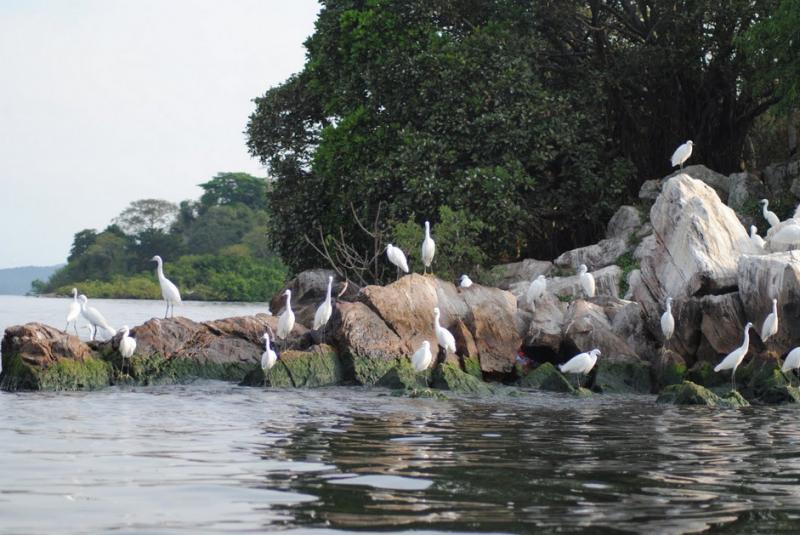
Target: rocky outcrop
595 256
624 223
606 280
689 393
308 291
505 276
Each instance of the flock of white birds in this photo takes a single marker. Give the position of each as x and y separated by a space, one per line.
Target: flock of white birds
422 358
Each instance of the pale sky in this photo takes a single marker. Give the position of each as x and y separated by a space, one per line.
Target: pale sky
103 102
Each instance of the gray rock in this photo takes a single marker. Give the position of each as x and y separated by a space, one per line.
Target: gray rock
719 182
650 190
505 276
308 291
744 187
601 254
624 223
544 325
606 279
781 176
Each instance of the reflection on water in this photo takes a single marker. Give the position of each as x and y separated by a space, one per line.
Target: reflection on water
211 457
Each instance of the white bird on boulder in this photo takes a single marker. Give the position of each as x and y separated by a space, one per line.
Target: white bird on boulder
792 361
286 319
323 313
95 319
428 248
587 280
580 364
667 322
735 357
536 289
770 326
769 215
127 345
268 357
398 258
444 337
757 240
465 282
169 291
74 312
422 357
681 154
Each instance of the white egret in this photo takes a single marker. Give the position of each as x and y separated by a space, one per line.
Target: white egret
127 345
681 154
428 248
769 215
444 337
770 326
667 322
422 357
398 258
169 291
268 357
735 357
466 282
757 240
286 319
536 289
95 319
587 280
792 361
323 313
74 312
580 364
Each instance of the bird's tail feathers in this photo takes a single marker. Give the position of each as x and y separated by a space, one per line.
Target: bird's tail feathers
718 367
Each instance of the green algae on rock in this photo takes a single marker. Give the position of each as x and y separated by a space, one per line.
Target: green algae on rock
547 377
689 393
63 374
622 377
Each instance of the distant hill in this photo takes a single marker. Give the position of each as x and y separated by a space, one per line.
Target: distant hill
17 281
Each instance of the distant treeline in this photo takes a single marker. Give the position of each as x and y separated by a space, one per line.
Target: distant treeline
214 249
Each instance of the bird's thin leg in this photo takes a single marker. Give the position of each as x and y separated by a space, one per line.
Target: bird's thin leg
166 312
67 327
94 331
733 379
75 326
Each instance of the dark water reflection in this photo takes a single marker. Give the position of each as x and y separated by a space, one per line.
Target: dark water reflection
215 458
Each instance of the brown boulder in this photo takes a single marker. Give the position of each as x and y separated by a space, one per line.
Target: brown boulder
40 345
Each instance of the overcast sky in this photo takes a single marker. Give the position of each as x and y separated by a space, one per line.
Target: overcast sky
106 101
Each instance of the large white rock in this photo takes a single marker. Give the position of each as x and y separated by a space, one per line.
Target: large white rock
595 256
606 281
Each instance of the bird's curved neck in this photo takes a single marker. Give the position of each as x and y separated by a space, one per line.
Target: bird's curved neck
266 342
669 306
746 338
427 231
160 269
328 295
126 332
288 301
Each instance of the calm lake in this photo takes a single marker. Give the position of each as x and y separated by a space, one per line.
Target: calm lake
212 457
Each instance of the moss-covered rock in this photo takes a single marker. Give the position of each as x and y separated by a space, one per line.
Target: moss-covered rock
702 373
64 374
156 370
780 394
622 377
368 371
689 393
319 366
547 377
402 376
582 392
473 367
450 377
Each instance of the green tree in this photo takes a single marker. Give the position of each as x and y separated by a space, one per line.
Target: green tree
234 188
81 242
146 215
220 226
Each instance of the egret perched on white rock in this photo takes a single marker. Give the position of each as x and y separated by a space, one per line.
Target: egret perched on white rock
587 280
286 319
465 281
398 258
757 240
580 364
268 357
444 337
682 154
735 357
95 319
536 289
787 236
169 291
127 345
323 313
792 361
667 322
428 248
770 326
74 312
422 357
769 215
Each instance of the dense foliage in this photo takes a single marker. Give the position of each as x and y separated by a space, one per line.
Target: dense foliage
534 120
214 248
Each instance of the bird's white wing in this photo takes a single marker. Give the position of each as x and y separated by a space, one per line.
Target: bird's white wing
170 292
792 360
322 315
74 312
679 155
576 364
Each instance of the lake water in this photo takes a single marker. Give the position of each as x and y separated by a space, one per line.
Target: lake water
211 457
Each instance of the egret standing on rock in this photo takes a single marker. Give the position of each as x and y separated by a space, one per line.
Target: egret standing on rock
580 364
323 313
398 258
169 291
127 345
95 319
428 248
444 337
268 357
74 312
682 154
422 357
735 357
757 240
769 215
465 282
792 361
587 280
536 290
286 319
770 326
667 322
